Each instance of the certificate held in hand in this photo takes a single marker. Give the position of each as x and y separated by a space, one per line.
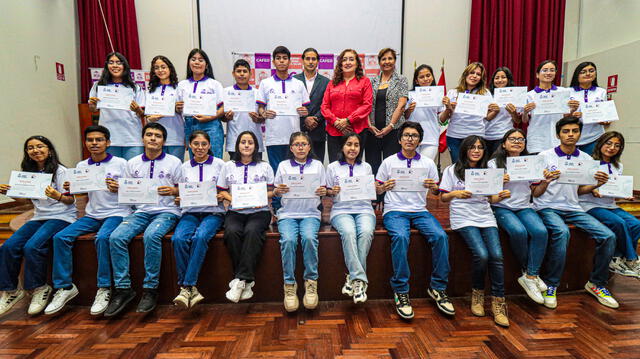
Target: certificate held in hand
357 188
137 191
115 97
200 104
472 104
239 101
551 102
249 195
409 179
525 168
301 185
617 187
427 96
198 194
156 104
29 184
578 172
284 104
594 112
516 96
87 179
484 181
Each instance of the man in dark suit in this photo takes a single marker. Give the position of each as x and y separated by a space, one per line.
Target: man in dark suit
313 124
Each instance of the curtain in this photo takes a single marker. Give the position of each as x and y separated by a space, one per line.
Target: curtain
120 18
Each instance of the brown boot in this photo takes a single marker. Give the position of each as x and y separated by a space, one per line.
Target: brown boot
499 308
477 302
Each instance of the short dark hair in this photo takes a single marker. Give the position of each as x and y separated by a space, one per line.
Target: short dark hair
569 120
241 63
256 156
292 138
312 50
416 73
410 124
97 128
155 126
281 50
343 139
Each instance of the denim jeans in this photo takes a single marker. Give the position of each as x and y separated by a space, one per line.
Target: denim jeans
559 234
484 244
63 249
31 241
191 242
155 227
398 225
527 236
177 151
307 229
127 152
625 226
492 146
454 148
356 232
276 154
213 128
588 147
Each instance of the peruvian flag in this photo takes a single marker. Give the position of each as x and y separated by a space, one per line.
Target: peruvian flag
442 141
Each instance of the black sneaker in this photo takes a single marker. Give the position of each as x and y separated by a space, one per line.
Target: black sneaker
403 305
442 301
120 299
148 301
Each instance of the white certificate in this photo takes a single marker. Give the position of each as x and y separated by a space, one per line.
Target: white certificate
409 179
579 172
29 184
200 104
156 104
249 195
115 97
87 179
516 96
284 104
137 191
551 102
357 188
617 187
484 181
525 168
239 101
594 112
472 104
301 185
427 96
198 194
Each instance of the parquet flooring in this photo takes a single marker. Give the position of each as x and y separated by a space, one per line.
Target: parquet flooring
579 328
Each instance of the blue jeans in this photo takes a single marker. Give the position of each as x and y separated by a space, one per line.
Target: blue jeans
191 242
454 148
213 128
356 232
307 229
559 238
63 249
484 244
527 236
625 226
126 152
31 241
155 227
276 154
398 225
588 147
177 151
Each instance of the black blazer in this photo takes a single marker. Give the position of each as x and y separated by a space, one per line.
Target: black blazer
316 94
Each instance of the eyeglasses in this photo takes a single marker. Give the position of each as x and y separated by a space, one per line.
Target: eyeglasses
163 67
516 139
200 144
614 145
114 62
410 136
590 71
300 144
548 71
478 148
36 147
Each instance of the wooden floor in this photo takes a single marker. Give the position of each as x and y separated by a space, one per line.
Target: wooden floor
579 328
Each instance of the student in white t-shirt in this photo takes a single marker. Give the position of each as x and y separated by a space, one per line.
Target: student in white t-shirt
608 150
102 215
198 225
299 218
238 122
508 115
32 240
124 125
558 205
473 80
427 117
164 82
200 81
353 219
471 217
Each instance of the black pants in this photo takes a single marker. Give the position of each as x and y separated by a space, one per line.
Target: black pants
492 146
333 145
244 235
318 149
377 149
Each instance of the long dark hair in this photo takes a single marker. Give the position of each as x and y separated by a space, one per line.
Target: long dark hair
576 73
293 136
463 160
51 164
106 77
197 133
597 153
154 80
208 70
501 153
344 140
416 73
338 76
256 156
507 73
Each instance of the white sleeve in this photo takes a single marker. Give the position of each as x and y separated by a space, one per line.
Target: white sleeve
139 96
446 185
270 177
330 177
432 171
383 172
94 90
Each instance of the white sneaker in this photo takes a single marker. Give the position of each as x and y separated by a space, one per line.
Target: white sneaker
182 299
9 299
530 285
347 288
247 293
550 299
602 294
60 299
542 286
196 297
359 291
39 299
235 292
310 299
101 302
291 302
619 266
634 265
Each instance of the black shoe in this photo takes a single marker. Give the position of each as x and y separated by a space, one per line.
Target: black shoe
119 301
148 301
442 301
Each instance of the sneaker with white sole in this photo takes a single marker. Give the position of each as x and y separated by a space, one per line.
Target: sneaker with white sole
310 299
9 299
542 286
60 298
101 302
247 293
359 291
39 299
291 302
236 287
442 301
403 305
634 265
347 287
602 294
196 297
550 299
183 298
530 286
619 266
